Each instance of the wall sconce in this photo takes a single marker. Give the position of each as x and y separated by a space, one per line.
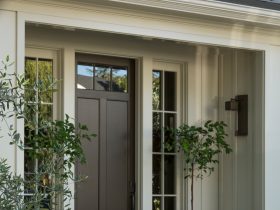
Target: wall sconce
239 104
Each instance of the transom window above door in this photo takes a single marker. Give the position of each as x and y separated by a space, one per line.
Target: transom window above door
100 77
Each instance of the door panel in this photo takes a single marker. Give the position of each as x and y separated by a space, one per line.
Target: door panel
110 156
117 149
88 196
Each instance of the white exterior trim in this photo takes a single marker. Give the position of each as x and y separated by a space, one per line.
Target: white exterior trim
214 9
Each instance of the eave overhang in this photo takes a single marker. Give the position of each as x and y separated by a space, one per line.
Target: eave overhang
213 8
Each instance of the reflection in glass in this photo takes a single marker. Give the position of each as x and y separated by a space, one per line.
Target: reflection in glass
45 72
156 174
46 202
45 113
157 127
170 91
29 163
85 76
30 74
102 78
170 122
119 80
169 203
30 123
157 77
169 174
157 203
29 184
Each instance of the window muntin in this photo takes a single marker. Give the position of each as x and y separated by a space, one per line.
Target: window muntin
102 77
165 113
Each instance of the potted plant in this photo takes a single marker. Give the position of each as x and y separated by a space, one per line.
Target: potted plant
200 146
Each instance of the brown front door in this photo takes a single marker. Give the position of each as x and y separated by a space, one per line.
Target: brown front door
105 103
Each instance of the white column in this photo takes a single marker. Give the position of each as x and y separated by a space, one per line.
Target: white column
209 111
195 116
69 97
7 47
147 137
20 65
272 135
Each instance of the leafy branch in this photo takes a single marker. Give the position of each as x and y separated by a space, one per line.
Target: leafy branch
55 145
200 146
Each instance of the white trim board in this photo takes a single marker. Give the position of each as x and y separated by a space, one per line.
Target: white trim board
210 8
72 23
214 8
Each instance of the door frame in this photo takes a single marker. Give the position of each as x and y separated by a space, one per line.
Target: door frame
131 96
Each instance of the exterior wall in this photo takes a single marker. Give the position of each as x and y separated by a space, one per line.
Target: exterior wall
272 116
202 94
241 72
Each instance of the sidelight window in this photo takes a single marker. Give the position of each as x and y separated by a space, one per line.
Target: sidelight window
165 114
39 107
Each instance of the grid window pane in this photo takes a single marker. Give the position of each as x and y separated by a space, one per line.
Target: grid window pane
157 89
85 76
169 203
29 124
102 77
170 91
157 128
29 184
119 80
156 174
157 203
31 75
45 113
169 174
45 72
169 122
29 163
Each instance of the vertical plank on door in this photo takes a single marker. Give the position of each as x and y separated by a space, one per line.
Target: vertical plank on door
87 191
117 155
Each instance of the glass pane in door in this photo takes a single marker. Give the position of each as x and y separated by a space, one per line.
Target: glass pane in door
85 76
